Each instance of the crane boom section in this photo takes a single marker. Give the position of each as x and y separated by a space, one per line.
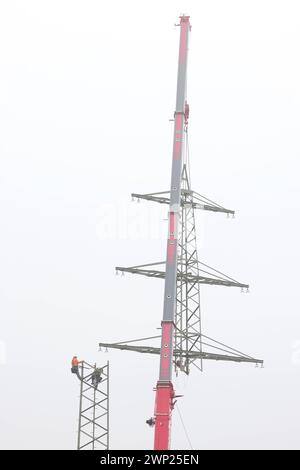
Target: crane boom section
164 389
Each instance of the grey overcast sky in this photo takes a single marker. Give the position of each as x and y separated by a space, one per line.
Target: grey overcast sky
87 89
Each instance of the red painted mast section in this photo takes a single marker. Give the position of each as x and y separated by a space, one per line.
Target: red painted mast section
164 400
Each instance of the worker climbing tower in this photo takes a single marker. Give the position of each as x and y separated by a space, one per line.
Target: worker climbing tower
93 423
182 342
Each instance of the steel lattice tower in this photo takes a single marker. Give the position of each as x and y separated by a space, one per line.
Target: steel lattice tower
188 312
93 424
181 338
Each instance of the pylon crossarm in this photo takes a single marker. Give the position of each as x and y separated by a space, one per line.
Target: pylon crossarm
213 279
126 347
196 201
179 353
209 204
196 341
161 198
224 357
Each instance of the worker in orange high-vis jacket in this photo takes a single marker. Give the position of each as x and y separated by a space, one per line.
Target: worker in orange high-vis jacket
75 365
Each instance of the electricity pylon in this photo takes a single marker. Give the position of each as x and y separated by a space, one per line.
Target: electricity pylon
93 423
181 338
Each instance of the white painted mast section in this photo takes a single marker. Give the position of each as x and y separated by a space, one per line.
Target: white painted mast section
174 212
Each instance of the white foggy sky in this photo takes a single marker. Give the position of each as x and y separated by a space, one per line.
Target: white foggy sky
86 91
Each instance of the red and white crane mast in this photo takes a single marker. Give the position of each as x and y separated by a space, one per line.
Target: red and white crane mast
164 389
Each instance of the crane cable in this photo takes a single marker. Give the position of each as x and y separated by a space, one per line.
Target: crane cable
184 427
